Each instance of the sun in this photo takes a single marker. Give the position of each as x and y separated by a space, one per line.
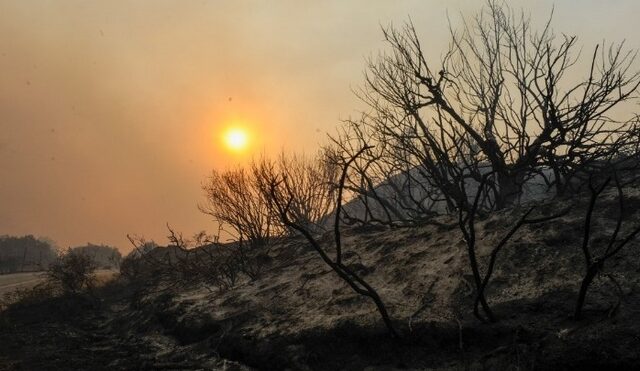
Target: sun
236 139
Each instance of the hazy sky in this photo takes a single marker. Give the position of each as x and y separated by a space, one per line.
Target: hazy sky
111 111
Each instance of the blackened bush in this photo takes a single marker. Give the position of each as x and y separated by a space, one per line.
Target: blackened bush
131 268
72 272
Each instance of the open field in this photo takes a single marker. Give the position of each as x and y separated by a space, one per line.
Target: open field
15 281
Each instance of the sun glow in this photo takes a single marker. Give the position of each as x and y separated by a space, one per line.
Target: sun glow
236 139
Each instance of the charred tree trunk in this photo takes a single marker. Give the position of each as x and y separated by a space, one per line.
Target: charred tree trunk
509 189
592 272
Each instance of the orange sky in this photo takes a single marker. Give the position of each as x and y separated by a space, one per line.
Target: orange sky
111 112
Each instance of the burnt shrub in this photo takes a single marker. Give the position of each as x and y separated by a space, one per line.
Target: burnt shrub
72 272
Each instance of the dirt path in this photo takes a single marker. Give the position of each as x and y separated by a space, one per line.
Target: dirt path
10 282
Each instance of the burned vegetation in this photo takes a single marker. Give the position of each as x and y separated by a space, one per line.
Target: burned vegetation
481 214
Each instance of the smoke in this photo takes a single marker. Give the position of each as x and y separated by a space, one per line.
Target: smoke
110 112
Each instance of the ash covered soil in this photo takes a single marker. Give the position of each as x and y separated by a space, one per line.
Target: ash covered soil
299 315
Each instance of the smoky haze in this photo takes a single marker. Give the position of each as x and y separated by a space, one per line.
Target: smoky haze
110 112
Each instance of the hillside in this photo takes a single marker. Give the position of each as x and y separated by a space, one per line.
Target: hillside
299 315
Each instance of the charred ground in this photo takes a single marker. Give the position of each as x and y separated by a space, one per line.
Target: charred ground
298 314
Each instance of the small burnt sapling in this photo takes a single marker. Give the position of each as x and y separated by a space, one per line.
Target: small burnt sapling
594 264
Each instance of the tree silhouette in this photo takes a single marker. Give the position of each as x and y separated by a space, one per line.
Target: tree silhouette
505 98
